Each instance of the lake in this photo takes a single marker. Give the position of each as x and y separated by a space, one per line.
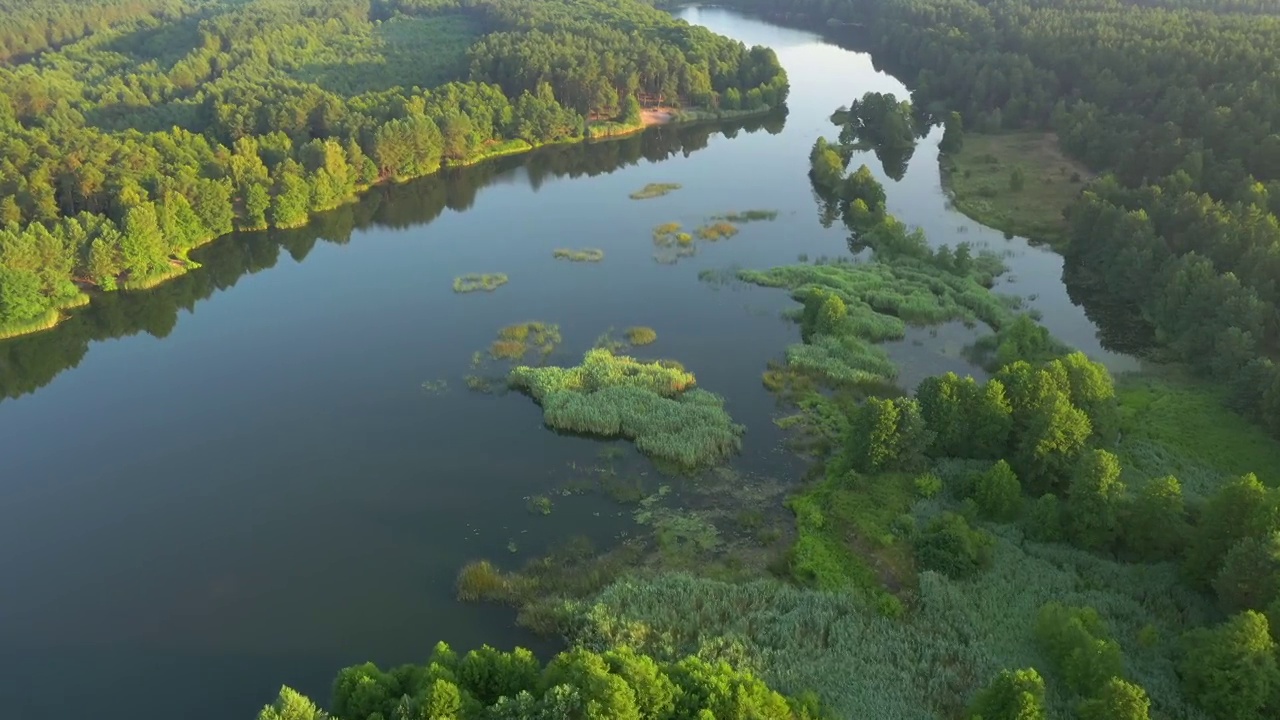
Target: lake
238 480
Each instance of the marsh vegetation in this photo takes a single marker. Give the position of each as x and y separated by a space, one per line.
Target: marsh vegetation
651 403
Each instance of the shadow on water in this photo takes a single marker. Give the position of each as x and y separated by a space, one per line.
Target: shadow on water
29 363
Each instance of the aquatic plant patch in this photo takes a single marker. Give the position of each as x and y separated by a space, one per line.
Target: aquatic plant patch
476 282
641 335
654 190
747 216
588 255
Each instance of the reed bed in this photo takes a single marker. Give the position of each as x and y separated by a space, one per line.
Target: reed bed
959 634
652 404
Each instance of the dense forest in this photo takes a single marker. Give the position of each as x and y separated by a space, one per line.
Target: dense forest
161 128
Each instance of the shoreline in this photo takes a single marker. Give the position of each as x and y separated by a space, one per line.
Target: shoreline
653 117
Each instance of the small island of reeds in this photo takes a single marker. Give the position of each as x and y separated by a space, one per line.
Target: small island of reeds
653 404
475 282
591 255
653 190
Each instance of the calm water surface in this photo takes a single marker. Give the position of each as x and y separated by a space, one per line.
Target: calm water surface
248 486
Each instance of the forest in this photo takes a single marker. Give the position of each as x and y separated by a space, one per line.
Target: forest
134 132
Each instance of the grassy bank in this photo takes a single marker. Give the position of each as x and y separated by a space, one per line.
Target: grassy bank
1016 182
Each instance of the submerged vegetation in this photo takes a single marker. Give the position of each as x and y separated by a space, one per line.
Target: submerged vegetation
654 190
651 403
476 282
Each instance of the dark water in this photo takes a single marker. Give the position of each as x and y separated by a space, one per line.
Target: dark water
237 480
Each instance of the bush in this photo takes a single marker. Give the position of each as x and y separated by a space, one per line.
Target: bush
928 485
998 493
950 546
1075 639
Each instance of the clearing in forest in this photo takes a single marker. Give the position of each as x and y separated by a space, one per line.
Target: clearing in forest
1016 182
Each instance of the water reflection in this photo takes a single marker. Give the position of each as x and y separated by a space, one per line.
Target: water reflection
29 363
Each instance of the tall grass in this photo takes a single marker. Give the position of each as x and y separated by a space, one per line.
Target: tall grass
927 664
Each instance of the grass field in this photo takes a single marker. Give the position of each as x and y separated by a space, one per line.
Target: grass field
979 180
1171 425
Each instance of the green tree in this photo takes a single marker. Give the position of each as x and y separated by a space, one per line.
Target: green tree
291 204
608 696
290 705
998 493
142 248
1117 700
951 546
1095 502
362 690
1239 509
1012 695
1076 640
1230 670
20 296
952 134
1155 521
1044 521
887 435
1250 574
